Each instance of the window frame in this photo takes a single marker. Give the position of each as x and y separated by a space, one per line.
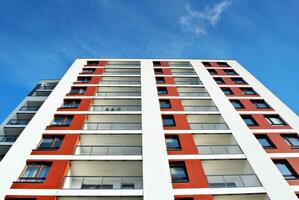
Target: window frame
85 79
65 118
219 80
181 165
161 81
230 72
293 173
167 100
290 143
81 90
207 64
267 139
273 123
156 63
170 117
223 64
238 80
74 103
161 89
36 178
246 89
251 118
53 145
177 138
158 71
212 71
238 102
256 102
224 89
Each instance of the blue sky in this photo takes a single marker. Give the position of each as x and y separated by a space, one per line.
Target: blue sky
40 39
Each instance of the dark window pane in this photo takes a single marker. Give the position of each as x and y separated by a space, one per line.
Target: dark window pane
285 169
156 63
223 64
158 71
178 173
172 142
227 91
168 120
292 140
71 103
275 120
164 103
248 91
238 80
265 141
219 80
249 120
207 64
230 72
260 104
162 90
237 104
160 80
212 71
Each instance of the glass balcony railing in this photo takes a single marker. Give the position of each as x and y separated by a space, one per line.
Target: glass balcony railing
194 94
115 108
112 126
219 149
122 73
208 126
120 82
46 87
118 94
108 150
232 181
188 82
183 73
18 122
200 108
29 108
31 179
8 138
103 182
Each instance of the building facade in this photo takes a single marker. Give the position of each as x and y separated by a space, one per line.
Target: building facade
152 129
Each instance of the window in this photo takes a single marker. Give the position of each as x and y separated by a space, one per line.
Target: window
156 63
292 140
227 91
84 79
78 90
35 172
178 172
237 104
265 141
248 91
164 103
168 120
222 64
158 71
71 103
172 142
207 64
212 71
230 72
160 80
219 80
249 120
88 70
260 104
162 90
93 63
62 120
285 169
50 142
238 80
274 120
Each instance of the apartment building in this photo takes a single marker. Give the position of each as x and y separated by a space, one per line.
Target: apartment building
152 129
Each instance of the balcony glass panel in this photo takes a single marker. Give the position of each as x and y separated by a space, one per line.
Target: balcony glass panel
8 138
29 108
18 122
231 181
115 108
108 150
103 182
219 149
112 126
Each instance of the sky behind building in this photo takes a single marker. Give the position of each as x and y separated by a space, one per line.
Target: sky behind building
40 39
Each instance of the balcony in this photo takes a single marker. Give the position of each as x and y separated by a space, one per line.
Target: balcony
109 145
18 122
122 72
242 197
123 64
119 91
110 105
104 175
192 92
187 81
113 122
183 72
8 139
230 174
215 144
182 64
120 80
206 122
199 105
29 108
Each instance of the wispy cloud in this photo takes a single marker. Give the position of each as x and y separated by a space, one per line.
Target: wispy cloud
198 21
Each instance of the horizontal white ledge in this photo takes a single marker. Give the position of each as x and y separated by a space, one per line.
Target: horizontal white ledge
74 192
244 97
110 75
192 112
179 85
257 112
84 157
102 97
236 85
94 132
283 155
206 157
197 131
108 85
101 112
289 130
199 191
177 75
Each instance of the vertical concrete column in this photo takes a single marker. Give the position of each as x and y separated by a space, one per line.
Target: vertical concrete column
156 173
273 182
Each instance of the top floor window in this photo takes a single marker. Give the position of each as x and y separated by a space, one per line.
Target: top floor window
230 72
238 81
223 64
207 64
156 63
93 63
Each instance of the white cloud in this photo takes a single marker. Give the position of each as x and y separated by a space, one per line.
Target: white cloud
198 21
